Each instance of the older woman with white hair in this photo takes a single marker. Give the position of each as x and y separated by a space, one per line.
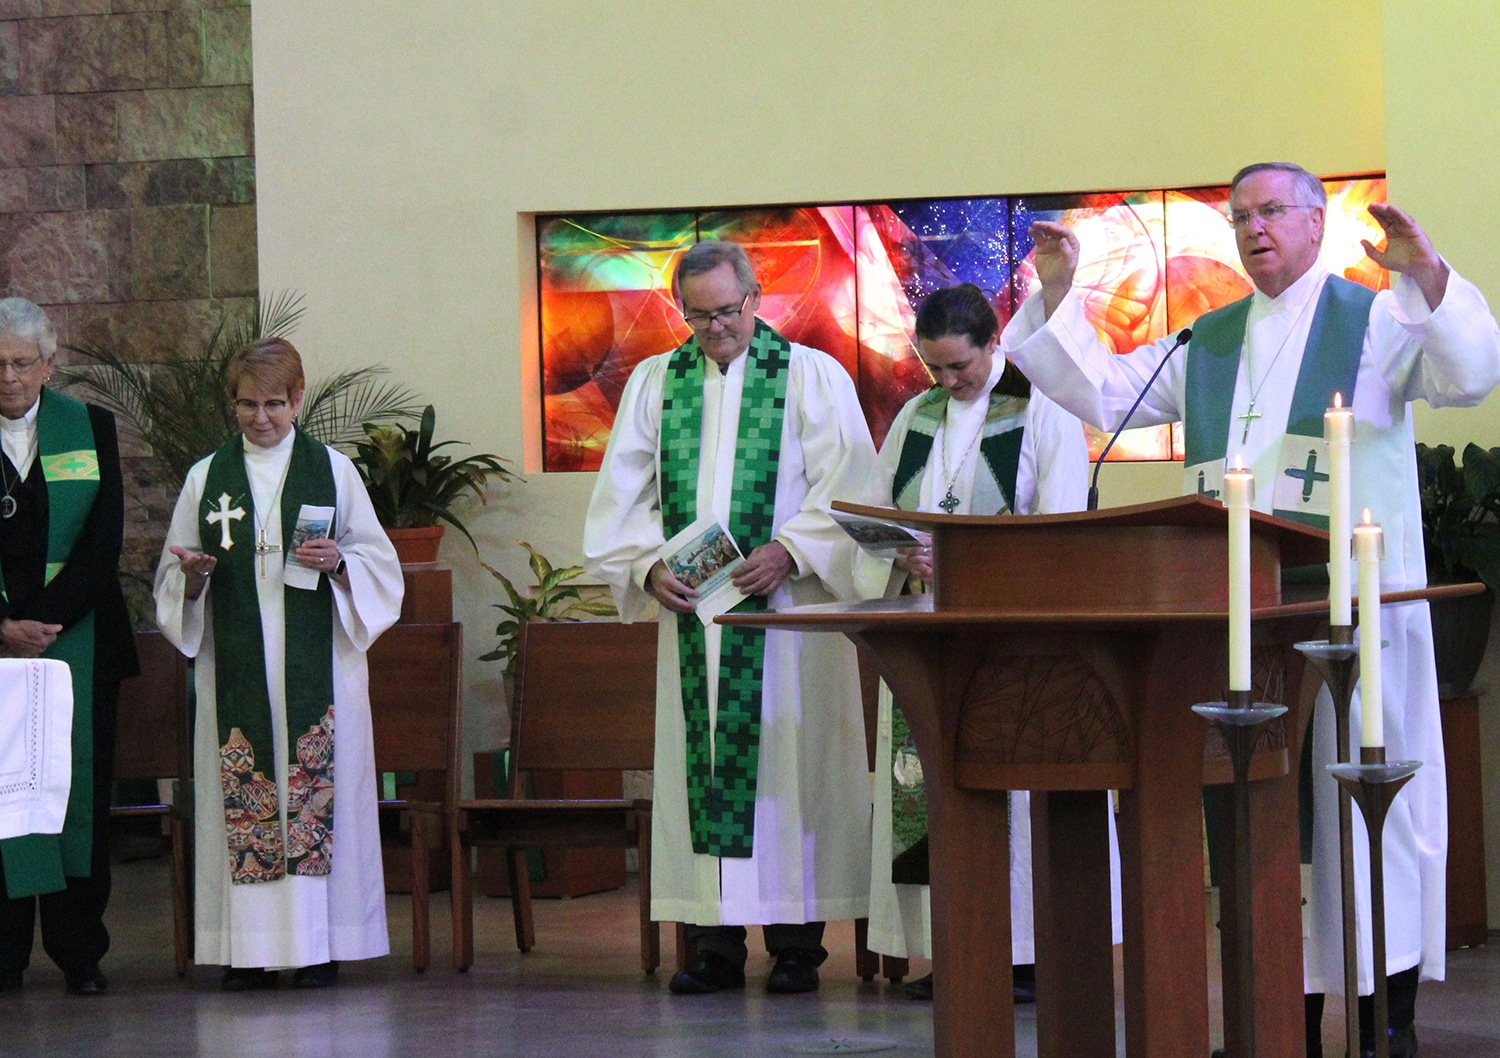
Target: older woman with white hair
61 522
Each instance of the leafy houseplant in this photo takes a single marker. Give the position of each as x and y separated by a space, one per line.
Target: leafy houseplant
1461 537
411 485
179 407
1461 512
551 598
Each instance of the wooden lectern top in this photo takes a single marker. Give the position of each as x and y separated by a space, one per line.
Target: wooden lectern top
1165 557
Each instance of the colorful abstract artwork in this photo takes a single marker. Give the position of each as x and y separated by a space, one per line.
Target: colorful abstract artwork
847 279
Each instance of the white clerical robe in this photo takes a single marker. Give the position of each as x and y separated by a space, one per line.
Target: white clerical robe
1051 478
811 852
296 920
1449 356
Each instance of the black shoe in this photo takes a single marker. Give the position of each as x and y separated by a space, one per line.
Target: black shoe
86 982
10 981
1403 1044
247 979
322 975
709 972
795 972
920 989
1023 983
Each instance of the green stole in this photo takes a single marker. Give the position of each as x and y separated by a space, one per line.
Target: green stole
39 863
1335 342
722 764
251 803
994 493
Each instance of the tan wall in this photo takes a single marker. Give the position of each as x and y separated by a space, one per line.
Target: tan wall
402 147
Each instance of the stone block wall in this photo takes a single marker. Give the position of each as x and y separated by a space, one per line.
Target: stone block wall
127 188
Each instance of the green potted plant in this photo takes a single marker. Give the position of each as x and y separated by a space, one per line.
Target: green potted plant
1461 538
552 598
179 406
414 488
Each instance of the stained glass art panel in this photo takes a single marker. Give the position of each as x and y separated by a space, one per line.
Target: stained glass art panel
847 279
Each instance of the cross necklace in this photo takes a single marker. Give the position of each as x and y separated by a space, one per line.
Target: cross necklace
1250 414
8 502
262 548
949 503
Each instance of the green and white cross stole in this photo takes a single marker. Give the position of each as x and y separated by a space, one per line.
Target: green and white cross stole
1330 365
251 803
999 449
39 863
722 763
994 493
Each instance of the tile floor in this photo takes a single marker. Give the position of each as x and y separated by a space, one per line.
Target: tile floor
578 994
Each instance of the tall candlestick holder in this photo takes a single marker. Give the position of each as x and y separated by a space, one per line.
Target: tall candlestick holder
1240 721
1373 783
1335 659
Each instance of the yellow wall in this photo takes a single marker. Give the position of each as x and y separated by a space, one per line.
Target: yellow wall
1443 150
401 148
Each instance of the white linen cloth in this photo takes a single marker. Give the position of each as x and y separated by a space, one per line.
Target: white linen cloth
36 745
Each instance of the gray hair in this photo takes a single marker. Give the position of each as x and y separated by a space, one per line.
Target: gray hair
21 319
1310 191
706 256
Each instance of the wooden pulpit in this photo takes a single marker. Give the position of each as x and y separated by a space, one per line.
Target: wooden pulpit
1062 654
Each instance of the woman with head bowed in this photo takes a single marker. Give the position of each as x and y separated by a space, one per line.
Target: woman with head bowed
277 577
980 441
61 521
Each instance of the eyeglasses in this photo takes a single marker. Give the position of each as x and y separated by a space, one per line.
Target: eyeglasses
251 408
702 321
1269 213
20 367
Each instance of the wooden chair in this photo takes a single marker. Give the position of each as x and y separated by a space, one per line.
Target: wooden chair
585 699
153 740
416 683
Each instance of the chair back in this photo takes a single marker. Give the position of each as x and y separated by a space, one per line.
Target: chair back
152 739
416 685
585 698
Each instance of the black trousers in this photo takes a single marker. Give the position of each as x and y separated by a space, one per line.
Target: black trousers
729 941
73 932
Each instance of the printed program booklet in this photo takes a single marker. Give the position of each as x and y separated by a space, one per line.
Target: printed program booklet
704 556
879 537
313 523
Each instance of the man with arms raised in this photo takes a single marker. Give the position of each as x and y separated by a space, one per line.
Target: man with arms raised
762 792
1253 383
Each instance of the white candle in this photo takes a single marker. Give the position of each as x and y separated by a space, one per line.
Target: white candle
1239 494
1338 428
1369 545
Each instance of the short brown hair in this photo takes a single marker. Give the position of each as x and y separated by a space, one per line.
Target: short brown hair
272 362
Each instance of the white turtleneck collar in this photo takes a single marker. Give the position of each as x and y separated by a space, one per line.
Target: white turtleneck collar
19 438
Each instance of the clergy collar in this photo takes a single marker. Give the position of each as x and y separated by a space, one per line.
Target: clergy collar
1294 296
997 368
25 424
281 447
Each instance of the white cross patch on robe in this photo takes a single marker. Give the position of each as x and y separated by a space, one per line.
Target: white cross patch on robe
1302 482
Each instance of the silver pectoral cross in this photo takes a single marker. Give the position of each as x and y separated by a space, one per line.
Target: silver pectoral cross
223 516
948 503
1250 415
262 549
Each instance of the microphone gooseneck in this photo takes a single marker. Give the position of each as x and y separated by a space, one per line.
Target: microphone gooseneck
1183 337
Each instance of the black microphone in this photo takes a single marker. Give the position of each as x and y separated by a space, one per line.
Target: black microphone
1183 337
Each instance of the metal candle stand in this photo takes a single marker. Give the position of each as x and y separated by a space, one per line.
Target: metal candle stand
1336 659
1374 783
1240 721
